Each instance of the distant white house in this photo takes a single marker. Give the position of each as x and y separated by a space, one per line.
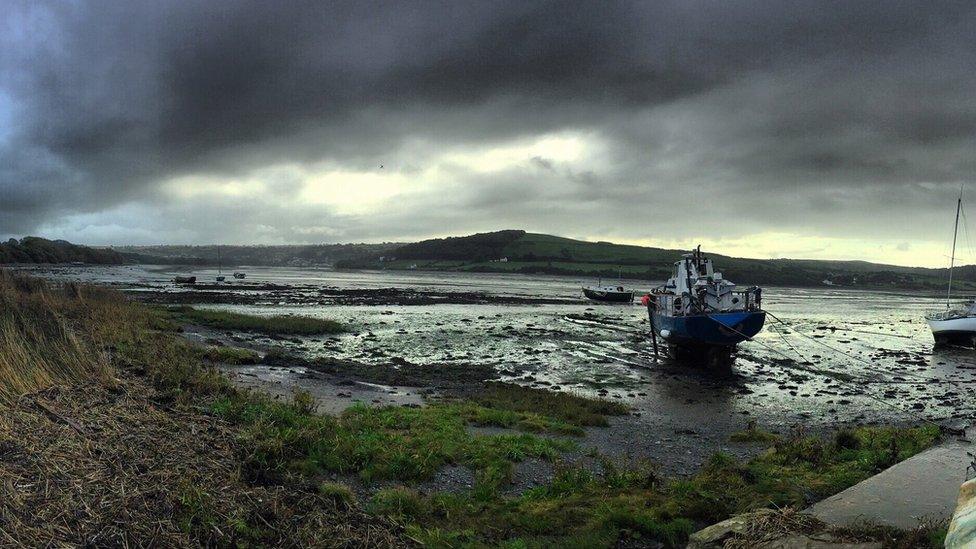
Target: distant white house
502 260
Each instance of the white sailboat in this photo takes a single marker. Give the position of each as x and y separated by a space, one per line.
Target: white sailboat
954 326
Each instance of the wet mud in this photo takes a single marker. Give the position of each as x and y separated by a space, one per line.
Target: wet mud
837 357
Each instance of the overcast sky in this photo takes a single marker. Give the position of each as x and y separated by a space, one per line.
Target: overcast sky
765 129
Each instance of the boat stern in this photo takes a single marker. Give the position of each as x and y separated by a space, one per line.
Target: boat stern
718 329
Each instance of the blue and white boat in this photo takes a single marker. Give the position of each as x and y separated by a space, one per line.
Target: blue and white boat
698 311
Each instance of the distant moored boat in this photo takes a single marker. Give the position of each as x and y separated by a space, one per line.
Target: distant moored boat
612 294
954 326
185 280
239 275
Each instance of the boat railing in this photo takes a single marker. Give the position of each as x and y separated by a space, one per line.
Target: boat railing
751 298
743 300
948 315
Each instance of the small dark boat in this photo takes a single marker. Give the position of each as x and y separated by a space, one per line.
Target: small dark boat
239 275
611 294
185 280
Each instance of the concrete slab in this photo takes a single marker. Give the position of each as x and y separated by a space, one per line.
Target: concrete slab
924 486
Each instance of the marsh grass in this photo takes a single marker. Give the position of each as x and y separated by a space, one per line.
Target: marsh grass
105 436
390 443
582 508
272 325
753 434
761 527
40 342
928 533
571 409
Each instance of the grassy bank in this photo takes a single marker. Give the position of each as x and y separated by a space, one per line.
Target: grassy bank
404 444
580 508
39 344
271 325
115 431
106 438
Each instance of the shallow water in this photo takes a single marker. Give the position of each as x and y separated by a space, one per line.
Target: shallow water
864 356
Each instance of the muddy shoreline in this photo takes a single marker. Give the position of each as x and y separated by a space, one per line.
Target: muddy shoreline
413 338
274 294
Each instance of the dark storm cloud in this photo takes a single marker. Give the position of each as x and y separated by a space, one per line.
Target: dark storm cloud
804 108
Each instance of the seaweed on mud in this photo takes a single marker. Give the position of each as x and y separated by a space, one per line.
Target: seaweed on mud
397 372
272 325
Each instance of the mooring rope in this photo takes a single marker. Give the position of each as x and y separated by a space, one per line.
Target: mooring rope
923 379
864 392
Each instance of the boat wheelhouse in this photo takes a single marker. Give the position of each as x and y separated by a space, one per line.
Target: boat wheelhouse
699 310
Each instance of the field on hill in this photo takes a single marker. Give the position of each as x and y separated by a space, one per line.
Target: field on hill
521 252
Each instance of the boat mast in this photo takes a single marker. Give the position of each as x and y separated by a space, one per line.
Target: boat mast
952 257
218 259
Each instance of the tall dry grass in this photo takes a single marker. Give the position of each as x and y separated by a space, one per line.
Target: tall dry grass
50 333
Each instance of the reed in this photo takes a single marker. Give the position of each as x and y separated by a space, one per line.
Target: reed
43 338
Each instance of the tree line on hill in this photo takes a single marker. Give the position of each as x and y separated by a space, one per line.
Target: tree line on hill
33 249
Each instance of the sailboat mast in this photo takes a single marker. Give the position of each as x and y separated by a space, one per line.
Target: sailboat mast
218 260
952 257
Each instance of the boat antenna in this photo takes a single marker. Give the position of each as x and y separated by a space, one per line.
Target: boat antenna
952 256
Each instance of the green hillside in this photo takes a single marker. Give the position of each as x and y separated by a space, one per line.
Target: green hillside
33 249
521 252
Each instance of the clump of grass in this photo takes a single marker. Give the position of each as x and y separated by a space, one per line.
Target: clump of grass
571 409
752 433
929 533
762 527
195 515
399 502
846 439
525 421
340 494
272 325
395 443
231 355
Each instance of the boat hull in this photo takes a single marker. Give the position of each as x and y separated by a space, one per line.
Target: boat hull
712 330
954 331
611 297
